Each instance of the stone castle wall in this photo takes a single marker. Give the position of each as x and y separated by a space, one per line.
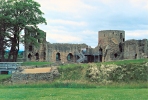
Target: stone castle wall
64 50
111 46
136 49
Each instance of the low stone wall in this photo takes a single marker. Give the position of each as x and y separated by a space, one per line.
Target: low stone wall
20 77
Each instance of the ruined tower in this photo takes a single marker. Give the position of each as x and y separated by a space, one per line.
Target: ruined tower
32 52
111 44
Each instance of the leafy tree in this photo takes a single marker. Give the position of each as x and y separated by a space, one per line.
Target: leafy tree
4 17
20 15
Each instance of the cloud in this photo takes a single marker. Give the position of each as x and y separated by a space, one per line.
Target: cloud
78 21
141 4
61 36
137 34
66 22
57 38
65 6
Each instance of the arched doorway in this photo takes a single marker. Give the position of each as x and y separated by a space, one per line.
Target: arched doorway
44 55
58 57
115 55
37 56
69 57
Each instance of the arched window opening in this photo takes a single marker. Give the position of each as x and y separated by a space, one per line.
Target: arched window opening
70 57
115 55
58 57
136 56
37 56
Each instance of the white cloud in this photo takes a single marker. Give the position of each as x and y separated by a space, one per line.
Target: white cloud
66 22
65 6
141 4
137 34
63 38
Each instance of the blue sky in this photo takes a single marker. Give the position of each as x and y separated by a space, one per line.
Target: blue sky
78 21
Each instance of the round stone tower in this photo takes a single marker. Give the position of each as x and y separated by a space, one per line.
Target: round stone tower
111 44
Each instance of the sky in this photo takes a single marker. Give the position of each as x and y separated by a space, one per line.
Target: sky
78 21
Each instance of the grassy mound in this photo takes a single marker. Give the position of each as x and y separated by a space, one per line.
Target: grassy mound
119 71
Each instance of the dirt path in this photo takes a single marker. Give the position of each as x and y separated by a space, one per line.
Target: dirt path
37 70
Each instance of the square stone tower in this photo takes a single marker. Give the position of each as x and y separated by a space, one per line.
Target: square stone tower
32 52
111 44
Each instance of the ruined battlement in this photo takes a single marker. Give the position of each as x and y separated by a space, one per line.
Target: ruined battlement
64 52
136 49
66 47
111 46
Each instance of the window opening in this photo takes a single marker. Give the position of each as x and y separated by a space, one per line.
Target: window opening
58 57
120 47
69 57
44 56
29 56
120 35
123 39
37 56
115 55
30 48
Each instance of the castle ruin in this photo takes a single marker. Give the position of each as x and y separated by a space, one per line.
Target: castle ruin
111 46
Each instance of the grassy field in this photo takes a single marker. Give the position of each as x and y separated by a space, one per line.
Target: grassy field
72 85
73 94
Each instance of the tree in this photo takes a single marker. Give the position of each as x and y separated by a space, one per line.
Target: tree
24 14
4 17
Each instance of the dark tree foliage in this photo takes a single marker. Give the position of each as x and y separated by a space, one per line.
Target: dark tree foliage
15 16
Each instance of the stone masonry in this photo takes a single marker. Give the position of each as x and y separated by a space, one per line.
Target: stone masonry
19 77
111 46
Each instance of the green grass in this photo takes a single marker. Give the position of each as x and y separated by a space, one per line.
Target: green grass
73 94
35 63
73 86
134 61
120 62
4 77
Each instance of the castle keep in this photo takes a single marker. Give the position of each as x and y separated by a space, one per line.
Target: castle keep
111 46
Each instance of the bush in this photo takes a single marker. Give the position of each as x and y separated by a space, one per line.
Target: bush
130 72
